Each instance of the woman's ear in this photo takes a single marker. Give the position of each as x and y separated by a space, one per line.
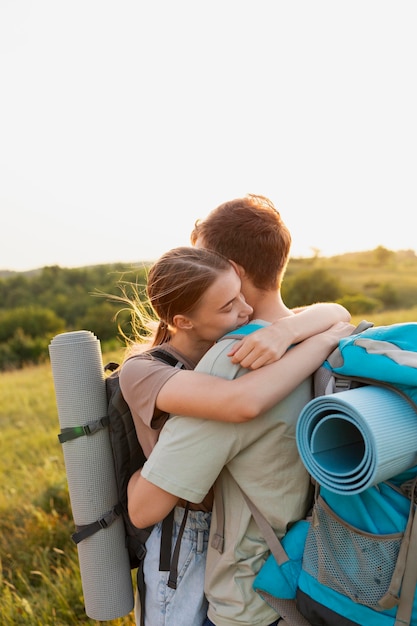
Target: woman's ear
182 322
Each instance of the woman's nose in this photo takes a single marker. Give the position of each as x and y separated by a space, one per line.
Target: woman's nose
246 309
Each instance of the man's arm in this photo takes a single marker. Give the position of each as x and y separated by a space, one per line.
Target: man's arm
147 503
269 344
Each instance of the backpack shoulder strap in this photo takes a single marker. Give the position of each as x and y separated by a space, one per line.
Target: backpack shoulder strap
287 609
158 353
167 357
409 582
274 544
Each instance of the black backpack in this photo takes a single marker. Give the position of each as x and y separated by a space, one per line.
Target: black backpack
128 458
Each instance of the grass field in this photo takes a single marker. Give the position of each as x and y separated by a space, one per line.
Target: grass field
41 584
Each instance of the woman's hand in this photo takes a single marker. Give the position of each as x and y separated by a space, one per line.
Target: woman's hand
263 346
337 332
269 344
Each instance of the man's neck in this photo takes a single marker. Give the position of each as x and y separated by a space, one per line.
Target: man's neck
268 305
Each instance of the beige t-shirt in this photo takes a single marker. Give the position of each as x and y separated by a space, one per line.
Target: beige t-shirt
263 459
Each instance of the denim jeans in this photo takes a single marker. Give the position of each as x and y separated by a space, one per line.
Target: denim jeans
185 605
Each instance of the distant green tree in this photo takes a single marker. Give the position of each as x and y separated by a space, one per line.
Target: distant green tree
8 359
359 304
388 295
26 349
383 255
14 291
310 286
100 320
34 321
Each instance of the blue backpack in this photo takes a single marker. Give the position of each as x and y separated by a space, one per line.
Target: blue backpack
354 562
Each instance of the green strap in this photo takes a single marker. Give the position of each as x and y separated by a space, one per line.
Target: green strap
73 432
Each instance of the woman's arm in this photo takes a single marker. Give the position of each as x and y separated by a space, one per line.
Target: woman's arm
158 502
195 394
268 344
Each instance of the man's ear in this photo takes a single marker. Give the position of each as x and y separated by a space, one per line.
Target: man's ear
239 268
182 322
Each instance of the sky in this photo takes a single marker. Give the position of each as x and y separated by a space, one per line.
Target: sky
122 122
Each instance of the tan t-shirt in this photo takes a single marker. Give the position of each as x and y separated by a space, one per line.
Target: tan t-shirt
263 459
141 378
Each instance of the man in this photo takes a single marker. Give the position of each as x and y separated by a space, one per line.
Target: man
260 456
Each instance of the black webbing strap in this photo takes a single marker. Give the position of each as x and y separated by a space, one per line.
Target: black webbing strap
217 541
173 571
104 521
73 432
166 357
168 563
141 587
166 539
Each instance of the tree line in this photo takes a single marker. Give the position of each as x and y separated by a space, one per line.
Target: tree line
36 306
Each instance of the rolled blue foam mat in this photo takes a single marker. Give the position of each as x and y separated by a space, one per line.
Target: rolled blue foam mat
354 439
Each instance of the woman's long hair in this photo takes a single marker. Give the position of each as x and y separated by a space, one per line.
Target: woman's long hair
175 285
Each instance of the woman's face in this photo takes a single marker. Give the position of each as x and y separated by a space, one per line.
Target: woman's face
221 309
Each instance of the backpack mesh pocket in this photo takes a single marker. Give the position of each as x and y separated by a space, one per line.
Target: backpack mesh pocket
357 564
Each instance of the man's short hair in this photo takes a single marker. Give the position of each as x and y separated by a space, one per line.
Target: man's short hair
250 232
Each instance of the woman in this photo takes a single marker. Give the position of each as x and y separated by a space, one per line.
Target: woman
196 296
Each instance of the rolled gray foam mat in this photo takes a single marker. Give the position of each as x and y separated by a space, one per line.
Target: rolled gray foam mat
79 382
